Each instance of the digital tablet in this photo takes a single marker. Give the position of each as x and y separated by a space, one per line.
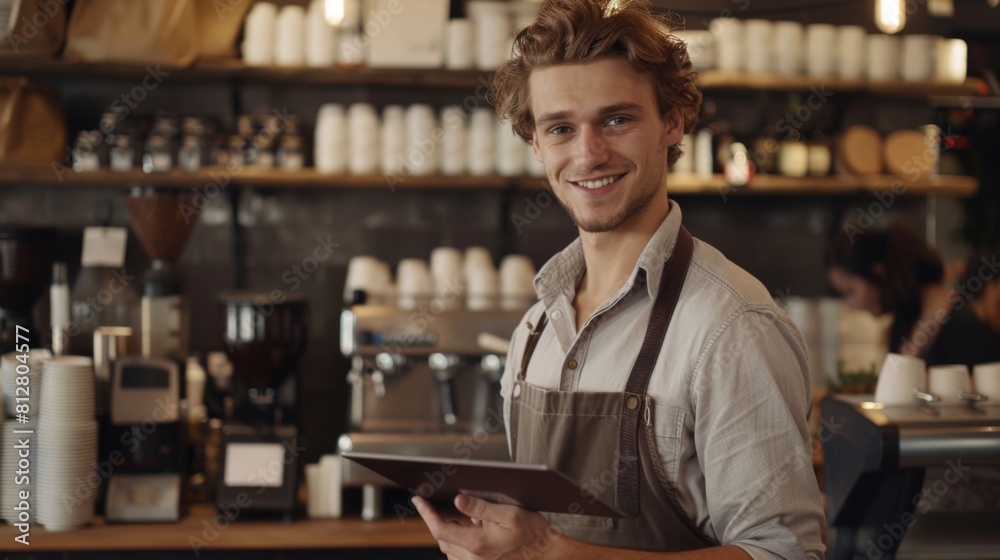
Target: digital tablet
533 487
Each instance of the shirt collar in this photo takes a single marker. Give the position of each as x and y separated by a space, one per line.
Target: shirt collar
563 272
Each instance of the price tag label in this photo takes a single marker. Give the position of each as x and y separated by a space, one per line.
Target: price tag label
104 247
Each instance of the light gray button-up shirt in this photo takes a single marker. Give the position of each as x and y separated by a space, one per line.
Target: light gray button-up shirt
731 387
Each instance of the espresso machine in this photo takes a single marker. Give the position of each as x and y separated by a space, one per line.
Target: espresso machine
423 384
25 265
876 461
265 335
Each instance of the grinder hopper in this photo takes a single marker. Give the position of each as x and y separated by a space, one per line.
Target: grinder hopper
163 229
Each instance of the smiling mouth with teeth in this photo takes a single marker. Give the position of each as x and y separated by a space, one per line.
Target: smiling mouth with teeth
597 184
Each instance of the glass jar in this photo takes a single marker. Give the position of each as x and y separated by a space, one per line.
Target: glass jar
158 157
85 153
122 156
191 155
290 154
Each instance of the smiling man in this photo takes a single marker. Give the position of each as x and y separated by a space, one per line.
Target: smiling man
652 370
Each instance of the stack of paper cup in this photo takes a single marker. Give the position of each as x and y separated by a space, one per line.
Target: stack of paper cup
986 381
258 34
363 133
919 52
421 146
821 50
289 34
883 57
517 288
899 376
459 47
494 33
510 152
321 37
481 142
851 48
787 46
948 382
330 142
393 140
414 283
453 146
482 281
67 443
448 271
758 38
729 44
952 60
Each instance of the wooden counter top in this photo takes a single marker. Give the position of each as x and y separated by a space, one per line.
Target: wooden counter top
193 532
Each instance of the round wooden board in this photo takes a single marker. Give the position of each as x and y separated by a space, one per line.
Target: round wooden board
859 149
906 151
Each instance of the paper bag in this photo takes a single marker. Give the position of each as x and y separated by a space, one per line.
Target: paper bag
32 128
145 32
31 27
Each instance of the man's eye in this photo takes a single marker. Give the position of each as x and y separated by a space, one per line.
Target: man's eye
615 121
559 130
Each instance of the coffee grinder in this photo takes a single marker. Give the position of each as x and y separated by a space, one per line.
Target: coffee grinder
265 335
146 420
163 230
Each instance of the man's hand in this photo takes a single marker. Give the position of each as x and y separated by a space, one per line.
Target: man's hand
497 531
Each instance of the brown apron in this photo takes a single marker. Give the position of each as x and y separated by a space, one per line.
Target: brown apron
605 441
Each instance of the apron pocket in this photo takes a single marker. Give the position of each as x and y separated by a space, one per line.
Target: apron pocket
667 436
570 525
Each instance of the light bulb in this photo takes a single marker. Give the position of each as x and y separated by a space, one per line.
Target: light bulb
890 15
334 12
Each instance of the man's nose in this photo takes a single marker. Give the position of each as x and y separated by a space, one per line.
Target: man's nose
591 147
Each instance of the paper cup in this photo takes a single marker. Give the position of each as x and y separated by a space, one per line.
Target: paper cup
986 381
947 382
897 379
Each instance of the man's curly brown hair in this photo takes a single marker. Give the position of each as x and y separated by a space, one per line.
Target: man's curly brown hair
581 31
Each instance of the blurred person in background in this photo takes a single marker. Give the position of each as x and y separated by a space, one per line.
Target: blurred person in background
894 271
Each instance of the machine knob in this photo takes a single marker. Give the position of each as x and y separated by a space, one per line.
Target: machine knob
389 363
443 367
492 366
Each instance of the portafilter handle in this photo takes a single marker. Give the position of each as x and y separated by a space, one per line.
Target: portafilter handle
444 367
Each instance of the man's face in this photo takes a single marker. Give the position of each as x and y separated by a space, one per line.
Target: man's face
603 143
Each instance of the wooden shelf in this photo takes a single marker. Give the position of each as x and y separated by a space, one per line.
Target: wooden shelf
947 185
233 70
306 179
715 80
389 533
771 185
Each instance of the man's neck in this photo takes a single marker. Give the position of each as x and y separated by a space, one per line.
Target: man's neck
610 258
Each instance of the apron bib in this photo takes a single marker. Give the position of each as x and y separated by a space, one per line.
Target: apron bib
606 442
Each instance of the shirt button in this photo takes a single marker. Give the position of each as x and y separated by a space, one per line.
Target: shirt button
517 391
571 364
556 315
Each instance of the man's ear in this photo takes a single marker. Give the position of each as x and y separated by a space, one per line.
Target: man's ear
673 129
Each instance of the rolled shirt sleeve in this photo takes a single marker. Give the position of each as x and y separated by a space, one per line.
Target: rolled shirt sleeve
751 398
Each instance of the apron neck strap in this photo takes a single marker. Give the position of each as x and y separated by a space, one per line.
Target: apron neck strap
671 282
